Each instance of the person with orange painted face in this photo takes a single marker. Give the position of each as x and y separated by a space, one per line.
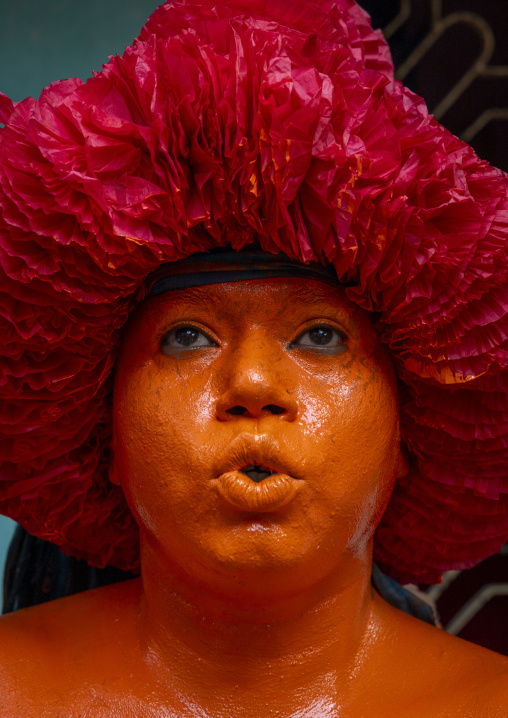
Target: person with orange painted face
255 325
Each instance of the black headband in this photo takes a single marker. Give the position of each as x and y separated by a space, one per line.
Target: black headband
210 269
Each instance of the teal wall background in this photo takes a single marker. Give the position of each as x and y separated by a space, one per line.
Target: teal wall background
47 40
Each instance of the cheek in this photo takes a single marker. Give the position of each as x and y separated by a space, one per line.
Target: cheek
161 430
139 414
154 407
354 429
355 409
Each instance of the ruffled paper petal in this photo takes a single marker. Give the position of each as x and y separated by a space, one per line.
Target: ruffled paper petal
6 108
227 123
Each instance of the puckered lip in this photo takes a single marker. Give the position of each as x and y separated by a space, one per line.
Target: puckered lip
255 450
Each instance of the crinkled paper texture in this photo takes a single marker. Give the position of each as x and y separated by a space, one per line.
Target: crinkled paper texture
276 122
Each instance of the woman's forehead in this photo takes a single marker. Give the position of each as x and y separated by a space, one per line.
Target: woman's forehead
260 296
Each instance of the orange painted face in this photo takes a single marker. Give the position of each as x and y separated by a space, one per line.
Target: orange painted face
255 429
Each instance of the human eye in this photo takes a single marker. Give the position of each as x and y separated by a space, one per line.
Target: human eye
184 337
321 337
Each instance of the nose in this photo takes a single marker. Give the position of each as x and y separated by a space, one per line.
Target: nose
255 383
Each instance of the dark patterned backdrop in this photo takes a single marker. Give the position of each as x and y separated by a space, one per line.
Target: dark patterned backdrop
455 54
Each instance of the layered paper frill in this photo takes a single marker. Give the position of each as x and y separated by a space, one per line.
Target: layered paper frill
273 122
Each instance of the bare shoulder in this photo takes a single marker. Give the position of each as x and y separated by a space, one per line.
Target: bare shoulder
48 651
477 678
67 619
482 672
449 676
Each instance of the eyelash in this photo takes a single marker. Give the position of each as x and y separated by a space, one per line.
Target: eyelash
317 326
316 347
186 325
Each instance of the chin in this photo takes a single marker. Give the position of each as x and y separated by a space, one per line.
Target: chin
257 560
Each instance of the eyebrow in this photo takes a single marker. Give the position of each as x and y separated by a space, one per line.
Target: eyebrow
195 296
317 293
304 302
200 295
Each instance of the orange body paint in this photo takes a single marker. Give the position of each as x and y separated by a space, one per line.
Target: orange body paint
256 439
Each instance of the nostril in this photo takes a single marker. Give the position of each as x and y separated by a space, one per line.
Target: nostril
236 410
274 409
241 410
